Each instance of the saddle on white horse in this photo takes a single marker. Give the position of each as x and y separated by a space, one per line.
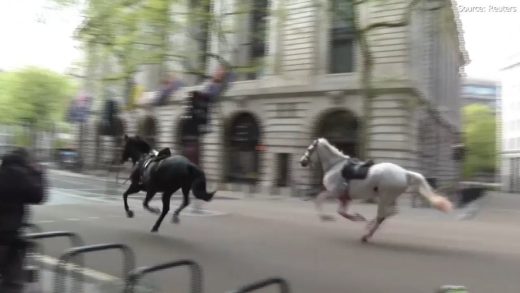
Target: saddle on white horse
356 169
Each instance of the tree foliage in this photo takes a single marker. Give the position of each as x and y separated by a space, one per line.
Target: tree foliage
34 95
131 33
480 140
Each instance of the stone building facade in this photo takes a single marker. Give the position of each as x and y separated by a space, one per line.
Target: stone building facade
509 136
309 87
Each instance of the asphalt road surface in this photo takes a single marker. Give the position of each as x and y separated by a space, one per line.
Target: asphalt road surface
238 241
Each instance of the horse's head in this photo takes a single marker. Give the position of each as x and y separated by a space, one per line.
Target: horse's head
134 148
328 154
306 158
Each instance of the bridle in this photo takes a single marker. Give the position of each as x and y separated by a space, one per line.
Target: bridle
310 150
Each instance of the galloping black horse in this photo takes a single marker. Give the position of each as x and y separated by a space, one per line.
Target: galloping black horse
154 174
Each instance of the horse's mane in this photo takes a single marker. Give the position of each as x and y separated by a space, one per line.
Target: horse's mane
141 144
334 149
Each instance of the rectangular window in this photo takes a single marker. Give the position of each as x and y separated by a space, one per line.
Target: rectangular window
341 54
282 180
200 10
258 35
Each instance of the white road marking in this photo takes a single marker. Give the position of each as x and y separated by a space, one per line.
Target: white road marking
44 222
203 213
81 189
64 193
73 219
94 218
93 274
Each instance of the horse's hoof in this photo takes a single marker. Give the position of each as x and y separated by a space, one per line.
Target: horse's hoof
364 239
176 220
327 218
154 230
359 218
130 214
153 210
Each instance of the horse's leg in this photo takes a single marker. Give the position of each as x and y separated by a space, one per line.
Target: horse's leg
322 196
166 196
342 210
149 195
133 188
385 208
372 228
185 203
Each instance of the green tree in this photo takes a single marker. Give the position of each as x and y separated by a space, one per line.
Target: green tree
5 83
131 33
480 139
35 96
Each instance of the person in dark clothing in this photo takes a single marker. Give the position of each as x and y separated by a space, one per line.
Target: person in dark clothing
212 90
22 182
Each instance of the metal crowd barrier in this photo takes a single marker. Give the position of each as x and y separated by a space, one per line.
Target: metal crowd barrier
60 272
34 227
282 284
131 276
75 240
196 285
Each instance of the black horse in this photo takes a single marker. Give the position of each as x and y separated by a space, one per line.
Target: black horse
155 173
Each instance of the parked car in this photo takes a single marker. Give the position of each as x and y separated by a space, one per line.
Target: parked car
69 159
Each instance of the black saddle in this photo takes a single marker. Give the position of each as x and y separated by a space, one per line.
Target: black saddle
356 169
149 163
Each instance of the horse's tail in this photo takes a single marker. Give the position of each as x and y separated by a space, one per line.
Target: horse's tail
198 185
438 201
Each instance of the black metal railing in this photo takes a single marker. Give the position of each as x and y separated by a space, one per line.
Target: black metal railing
196 281
282 284
61 272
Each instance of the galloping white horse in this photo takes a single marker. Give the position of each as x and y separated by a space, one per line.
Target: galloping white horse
386 181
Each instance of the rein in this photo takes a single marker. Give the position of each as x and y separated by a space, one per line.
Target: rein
320 159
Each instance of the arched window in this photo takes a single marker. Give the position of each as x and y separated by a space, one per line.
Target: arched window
340 128
189 142
243 138
109 141
147 129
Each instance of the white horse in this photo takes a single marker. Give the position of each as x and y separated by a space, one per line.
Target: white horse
386 181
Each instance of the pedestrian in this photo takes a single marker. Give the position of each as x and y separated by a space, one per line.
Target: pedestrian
22 182
218 83
213 88
169 87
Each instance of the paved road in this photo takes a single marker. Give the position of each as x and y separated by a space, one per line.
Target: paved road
249 239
